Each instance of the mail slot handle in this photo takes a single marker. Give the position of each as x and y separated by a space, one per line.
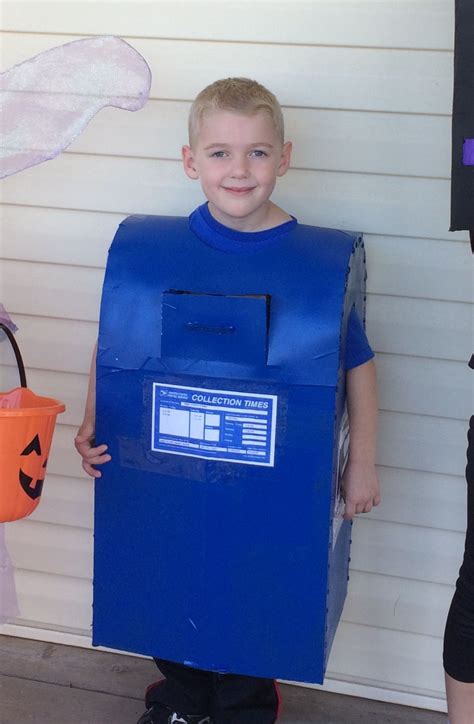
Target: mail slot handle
199 327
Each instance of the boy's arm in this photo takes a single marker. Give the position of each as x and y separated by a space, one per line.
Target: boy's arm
360 486
84 440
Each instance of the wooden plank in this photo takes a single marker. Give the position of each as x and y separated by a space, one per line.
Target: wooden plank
51 343
409 442
406 384
393 659
68 666
62 550
396 325
66 501
51 290
419 327
33 701
406 551
382 547
114 677
397 604
437 388
331 140
422 499
419 442
57 602
329 22
435 500
398 81
420 268
68 387
412 207
55 235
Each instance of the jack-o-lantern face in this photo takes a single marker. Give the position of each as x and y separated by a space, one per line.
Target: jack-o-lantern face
32 486
26 430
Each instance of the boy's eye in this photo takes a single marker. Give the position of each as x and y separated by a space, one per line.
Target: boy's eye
218 154
258 153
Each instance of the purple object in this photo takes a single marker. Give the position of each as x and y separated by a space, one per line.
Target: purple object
468 152
6 320
47 101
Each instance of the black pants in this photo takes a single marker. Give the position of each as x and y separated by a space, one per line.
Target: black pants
227 698
458 655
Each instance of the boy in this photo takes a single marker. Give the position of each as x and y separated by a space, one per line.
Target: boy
237 151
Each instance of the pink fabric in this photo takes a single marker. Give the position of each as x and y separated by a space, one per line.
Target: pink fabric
48 100
8 599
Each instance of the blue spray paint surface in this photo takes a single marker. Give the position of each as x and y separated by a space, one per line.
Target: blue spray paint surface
217 554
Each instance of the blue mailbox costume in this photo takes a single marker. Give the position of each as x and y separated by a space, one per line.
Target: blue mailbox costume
220 392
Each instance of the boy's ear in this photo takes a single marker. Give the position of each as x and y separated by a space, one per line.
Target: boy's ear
189 162
285 158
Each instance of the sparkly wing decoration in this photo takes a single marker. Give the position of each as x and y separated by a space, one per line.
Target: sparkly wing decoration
48 100
45 103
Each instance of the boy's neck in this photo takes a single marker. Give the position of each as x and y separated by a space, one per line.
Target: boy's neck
270 216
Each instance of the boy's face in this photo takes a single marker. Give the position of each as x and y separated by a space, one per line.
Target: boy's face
237 159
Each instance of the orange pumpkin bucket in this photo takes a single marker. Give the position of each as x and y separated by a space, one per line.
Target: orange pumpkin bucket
26 430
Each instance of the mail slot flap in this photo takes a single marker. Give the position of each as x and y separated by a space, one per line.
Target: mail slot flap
215 327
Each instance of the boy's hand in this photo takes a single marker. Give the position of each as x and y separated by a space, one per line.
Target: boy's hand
91 455
360 488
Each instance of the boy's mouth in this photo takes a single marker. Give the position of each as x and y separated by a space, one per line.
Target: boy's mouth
239 191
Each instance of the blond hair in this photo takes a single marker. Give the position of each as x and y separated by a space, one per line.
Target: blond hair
240 95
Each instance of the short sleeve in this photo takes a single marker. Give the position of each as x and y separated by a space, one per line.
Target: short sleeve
358 349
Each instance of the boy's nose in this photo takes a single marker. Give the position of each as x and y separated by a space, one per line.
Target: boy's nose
239 168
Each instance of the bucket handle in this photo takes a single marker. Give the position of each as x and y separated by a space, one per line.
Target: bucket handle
16 350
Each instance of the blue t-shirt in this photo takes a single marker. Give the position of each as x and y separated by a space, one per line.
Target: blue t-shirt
215 234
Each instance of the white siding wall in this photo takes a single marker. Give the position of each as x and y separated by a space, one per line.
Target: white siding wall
366 90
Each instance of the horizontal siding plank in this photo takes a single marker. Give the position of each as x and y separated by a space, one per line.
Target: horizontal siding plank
419 327
391 24
390 659
373 600
65 386
404 551
408 442
419 442
398 81
54 602
422 499
406 384
386 549
333 140
437 388
66 501
396 325
399 206
56 549
58 236
47 343
51 290
63 459
420 268
397 604
436 500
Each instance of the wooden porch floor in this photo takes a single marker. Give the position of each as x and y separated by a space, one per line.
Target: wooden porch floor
43 683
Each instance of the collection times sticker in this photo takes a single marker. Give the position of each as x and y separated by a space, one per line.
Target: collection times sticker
237 427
